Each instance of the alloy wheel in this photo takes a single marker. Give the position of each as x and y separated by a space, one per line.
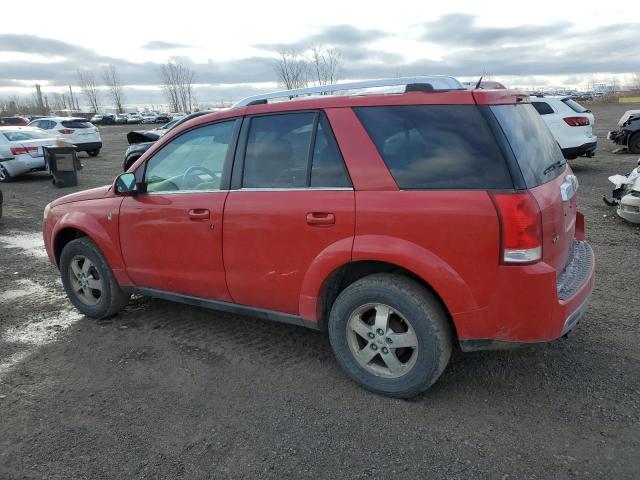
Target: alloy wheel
85 280
382 340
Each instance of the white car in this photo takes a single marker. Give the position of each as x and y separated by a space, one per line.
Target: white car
178 116
83 134
21 150
570 123
134 118
148 117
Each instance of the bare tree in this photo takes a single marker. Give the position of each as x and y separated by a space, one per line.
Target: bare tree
635 81
177 81
292 69
112 81
325 65
87 82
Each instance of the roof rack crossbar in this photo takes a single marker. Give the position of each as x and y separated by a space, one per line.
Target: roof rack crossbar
438 82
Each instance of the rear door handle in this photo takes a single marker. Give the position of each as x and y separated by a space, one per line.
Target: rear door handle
321 218
199 214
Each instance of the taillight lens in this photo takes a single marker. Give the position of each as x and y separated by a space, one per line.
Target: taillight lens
23 150
66 131
576 121
520 228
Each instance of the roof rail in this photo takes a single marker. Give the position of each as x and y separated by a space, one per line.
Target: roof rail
438 82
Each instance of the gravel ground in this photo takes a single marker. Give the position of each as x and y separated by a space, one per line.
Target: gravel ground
170 391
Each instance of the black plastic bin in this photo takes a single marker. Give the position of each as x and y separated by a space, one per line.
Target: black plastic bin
63 165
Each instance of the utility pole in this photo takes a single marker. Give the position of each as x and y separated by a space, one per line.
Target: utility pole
39 99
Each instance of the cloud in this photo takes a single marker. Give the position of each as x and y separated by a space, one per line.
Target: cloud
161 45
525 51
460 29
337 36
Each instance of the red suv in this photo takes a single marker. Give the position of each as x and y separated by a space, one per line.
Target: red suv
398 222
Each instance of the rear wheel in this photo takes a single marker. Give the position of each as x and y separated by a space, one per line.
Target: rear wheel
128 162
4 175
634 143
94 153
390 334
88 280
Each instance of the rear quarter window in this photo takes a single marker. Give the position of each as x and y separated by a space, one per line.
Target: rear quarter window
437 146
543 108
532 143
573 105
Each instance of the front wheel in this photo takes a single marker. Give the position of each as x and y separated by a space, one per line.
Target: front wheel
94 153
390 334
634 143
88 280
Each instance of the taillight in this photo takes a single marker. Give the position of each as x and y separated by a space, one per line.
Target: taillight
66 131
576 121
23 150
520 228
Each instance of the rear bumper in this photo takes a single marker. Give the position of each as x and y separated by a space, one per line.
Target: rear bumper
587 150
533 304
87 147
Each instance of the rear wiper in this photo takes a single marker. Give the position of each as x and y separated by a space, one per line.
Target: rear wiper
553 166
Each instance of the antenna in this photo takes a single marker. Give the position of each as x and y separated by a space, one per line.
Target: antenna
479 82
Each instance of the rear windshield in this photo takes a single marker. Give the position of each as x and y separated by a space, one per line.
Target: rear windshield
437 146
76 124
11 121
22 135
575 106
533 145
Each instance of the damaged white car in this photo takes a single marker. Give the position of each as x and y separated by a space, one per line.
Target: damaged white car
626 195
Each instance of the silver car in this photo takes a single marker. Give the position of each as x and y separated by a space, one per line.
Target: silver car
21 150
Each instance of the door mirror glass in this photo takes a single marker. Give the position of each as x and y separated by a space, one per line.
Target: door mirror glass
126 183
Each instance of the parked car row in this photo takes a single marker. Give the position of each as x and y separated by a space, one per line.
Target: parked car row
133 118
22 147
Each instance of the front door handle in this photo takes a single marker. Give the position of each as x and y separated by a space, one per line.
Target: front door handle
321 218
199 214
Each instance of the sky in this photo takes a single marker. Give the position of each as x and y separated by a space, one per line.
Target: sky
232 46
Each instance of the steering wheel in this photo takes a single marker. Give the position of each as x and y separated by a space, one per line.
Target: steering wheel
190 171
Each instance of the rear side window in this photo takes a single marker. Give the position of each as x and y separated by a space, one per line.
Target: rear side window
532 143
437 146
573 105
76 124
293 150
543 108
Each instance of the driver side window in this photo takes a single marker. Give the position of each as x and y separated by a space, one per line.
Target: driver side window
192 161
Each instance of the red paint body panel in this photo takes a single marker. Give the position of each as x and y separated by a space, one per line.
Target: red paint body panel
558 221
269 246
165 249
432 239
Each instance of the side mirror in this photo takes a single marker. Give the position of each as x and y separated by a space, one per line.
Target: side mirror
126 184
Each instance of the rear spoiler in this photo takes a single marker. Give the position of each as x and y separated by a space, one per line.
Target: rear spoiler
500 97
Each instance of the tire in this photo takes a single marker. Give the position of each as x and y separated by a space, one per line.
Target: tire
111 298
634 143
414 312
94 153
5 177
128 162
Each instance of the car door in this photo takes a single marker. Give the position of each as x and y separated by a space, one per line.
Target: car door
171 235
291 200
